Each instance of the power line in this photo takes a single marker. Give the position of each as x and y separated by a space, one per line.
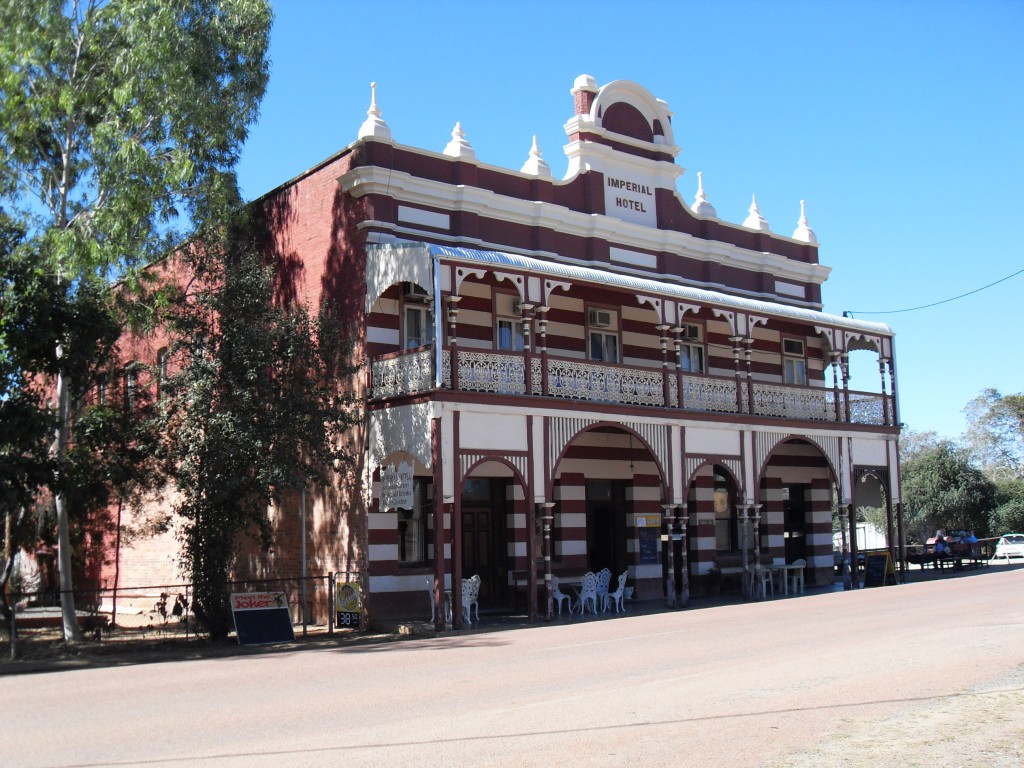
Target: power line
851 313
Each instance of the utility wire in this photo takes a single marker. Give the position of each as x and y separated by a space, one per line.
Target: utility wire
936 303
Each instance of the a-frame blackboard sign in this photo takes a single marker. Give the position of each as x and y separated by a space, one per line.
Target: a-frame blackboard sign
878 569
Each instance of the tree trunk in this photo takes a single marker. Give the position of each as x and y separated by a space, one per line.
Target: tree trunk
69 618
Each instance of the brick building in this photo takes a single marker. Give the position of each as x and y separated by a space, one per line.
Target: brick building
563 375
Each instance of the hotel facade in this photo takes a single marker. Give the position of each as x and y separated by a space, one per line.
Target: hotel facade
567 375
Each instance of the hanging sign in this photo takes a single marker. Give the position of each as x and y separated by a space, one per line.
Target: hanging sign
396 487
347 605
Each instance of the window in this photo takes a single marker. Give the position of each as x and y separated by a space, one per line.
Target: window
510 335
413 523
129 390
101 390
417 327
691 349
602 335
794 364
604 347
161 374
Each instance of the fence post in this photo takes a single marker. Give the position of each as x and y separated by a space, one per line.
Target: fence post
330 603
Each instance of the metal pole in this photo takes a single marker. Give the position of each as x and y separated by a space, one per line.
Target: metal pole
302 511
330 603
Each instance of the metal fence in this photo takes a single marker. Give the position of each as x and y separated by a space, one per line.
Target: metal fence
309 599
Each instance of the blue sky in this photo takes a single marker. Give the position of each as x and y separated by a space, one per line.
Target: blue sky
900 123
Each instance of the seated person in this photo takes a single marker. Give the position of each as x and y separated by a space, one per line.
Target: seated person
941 547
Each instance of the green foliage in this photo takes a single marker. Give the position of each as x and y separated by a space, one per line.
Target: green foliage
943 489
120 125
120 116
253 409
995 433
1008 516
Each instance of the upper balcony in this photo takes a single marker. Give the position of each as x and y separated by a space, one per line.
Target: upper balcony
485 322
524 374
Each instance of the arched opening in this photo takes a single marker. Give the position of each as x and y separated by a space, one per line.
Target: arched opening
608 495
493 532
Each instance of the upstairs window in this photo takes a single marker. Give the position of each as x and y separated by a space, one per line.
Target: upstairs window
691 349
794 362
509 325
417 321
602 336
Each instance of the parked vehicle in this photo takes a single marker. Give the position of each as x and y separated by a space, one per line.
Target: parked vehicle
1009 545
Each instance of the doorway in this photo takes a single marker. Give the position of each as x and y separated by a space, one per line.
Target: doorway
606 524
484 503
794 511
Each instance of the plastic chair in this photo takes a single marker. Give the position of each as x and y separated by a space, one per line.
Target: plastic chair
559 595
471 597
616 596
767 582
588 592
604 579
797 577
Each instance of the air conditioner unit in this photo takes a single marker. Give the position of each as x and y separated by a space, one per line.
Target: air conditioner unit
599 318
412 292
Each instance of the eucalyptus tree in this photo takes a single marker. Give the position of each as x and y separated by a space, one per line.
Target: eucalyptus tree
995 434
120 124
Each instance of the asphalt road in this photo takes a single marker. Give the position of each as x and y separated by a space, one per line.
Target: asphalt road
873 677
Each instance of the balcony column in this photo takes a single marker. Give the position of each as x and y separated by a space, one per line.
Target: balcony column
837 400
453 337
844 359
684 585
742 514
542 342
677 342
669 511
892 390
547 518
748 351
736 342
664 364
527 348
885 400
755 510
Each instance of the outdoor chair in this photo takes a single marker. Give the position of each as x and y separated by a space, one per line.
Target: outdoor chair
616 596
796 583
604 580
764 574
559 595
471 597
588 592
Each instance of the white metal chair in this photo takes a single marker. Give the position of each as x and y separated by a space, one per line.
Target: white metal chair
588 592
559 595
471 597
604 580
796 577
616 596
430 596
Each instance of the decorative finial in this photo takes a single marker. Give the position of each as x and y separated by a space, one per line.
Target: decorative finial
701 206
373 125
535 164
754 218
803 230
458 146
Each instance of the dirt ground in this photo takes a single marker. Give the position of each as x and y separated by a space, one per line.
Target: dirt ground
983 726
